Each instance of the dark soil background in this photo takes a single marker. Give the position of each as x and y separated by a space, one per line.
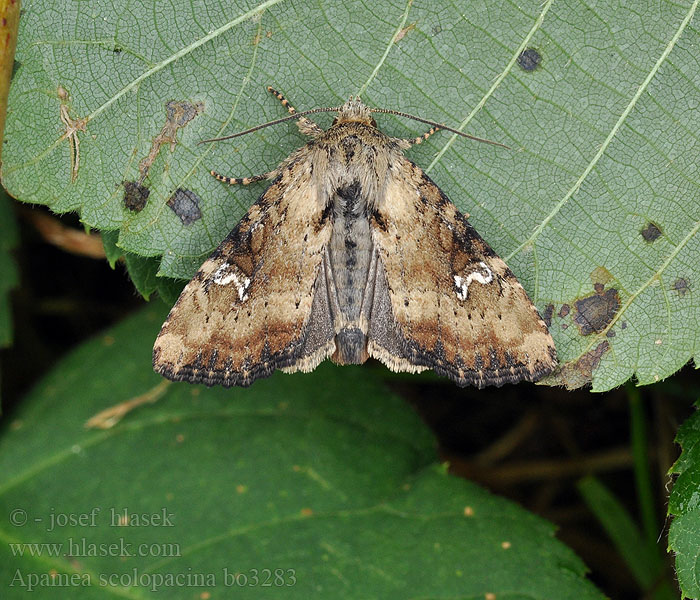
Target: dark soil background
528 443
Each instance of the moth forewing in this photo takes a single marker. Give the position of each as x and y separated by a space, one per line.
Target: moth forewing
245 312
461 311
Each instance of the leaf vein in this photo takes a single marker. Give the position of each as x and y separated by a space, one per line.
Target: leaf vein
535 27
604 146
183 52
388 48
656 275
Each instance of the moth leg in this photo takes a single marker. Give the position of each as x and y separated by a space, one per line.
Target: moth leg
306 126
417 140
243 180
282 99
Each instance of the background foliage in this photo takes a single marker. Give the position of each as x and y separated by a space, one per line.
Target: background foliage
602 131
293 473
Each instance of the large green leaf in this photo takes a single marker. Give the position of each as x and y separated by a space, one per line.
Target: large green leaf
684 505
327 475
596 208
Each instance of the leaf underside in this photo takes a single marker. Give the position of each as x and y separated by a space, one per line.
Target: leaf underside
595 208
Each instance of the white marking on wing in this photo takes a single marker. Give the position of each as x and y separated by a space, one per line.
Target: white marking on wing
462 283
225 275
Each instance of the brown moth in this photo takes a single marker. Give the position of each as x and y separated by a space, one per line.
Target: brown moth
353 252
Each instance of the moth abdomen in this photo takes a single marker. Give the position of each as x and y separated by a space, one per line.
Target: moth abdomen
351 347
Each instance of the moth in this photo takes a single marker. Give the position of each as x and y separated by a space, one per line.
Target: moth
353 252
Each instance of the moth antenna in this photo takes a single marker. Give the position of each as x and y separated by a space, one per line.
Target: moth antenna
275 122
338 109
438 125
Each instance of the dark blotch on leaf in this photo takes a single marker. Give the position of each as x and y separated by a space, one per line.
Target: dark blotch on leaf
135 195
181 113
547 314
579 373
681 285
591 359
185 204
594 313
651 232
529 59
178 115
564 310
116 49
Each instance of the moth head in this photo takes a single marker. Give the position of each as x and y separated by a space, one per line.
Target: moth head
354 111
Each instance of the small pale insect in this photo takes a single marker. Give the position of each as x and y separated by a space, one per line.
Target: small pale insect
353 252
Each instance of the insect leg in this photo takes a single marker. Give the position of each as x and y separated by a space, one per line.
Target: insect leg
420 139
242 180
306 126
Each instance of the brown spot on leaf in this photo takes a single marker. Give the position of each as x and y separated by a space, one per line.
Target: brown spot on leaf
651 232
185 204
682 286
135 195
178 114
401 34
547 314
564 310
578 373
16 66
594 313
